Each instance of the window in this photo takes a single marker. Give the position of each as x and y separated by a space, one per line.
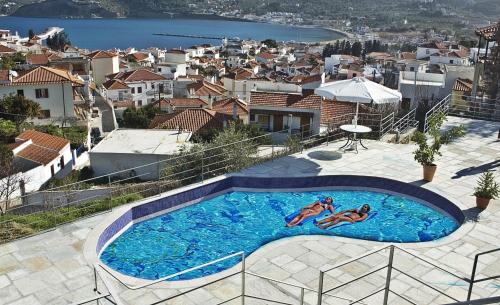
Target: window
133 90
161 88
44 114
252 117
427 51
61 161
139 89
42 93
412 69
20 92
152 85
451 61
139 103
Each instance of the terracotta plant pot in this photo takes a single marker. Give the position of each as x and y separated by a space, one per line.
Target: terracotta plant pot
482 203
429 171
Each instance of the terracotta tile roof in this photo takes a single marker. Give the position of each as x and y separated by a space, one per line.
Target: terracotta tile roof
137 76
161 118
43 139
114 84
139 56
45 75
285 100
265 55
101 54
408 55
37 59
305 79
225 106
176 51
193 120
433 45
44 148
6 50
180 102
331 109
204 88
462 85
239 74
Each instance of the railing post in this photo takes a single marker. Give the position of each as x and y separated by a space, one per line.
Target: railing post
243 271
301 296
472 277
202 165
388 276
320 287
272 151
95 280
110 192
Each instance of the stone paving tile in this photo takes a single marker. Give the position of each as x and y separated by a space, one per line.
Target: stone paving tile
50 269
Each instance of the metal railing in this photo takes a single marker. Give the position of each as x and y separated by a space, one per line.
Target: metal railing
473 279
406 122
390 268
386 124
442 106
242 272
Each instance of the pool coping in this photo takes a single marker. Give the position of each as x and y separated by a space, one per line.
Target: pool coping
89 249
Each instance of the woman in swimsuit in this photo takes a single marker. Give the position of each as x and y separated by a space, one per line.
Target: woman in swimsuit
352 216
312 209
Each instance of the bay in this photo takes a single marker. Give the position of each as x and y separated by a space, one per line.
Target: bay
138 33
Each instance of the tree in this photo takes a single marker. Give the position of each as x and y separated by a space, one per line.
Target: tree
7 130
58 41
356 49
18 108
31 33
139 117
270 43
10 177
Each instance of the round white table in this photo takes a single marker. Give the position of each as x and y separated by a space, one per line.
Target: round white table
352 130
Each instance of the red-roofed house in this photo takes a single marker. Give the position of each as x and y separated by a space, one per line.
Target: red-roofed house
103 63
6 50
192 120
39 157
145 85
276 111
205 90
57 91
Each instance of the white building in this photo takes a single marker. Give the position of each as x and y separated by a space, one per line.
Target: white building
145 86
124 149
171 70
103 63
176 55
57 91
39 157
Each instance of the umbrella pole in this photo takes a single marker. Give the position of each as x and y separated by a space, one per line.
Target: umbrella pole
356 119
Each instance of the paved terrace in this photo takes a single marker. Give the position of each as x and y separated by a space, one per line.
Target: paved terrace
50 268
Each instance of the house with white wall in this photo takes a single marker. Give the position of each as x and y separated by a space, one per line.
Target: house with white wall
171 70
176 55
276 111
57 91
145 86
103 63
39 157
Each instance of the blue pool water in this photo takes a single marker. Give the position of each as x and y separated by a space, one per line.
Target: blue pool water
245 221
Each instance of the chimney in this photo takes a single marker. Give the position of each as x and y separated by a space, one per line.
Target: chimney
235 109
210 101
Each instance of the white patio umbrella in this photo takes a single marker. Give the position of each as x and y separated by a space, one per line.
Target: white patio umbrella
358 90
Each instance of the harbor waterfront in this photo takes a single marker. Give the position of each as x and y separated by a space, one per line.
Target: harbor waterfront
138 33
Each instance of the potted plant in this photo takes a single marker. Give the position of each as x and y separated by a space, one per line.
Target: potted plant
428 148
487 189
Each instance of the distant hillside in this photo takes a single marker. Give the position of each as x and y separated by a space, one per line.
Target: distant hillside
379 13
63 8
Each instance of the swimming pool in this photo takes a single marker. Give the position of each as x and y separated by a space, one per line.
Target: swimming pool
246 220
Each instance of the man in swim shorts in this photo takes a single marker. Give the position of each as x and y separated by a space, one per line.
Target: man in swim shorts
352 216
311 210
